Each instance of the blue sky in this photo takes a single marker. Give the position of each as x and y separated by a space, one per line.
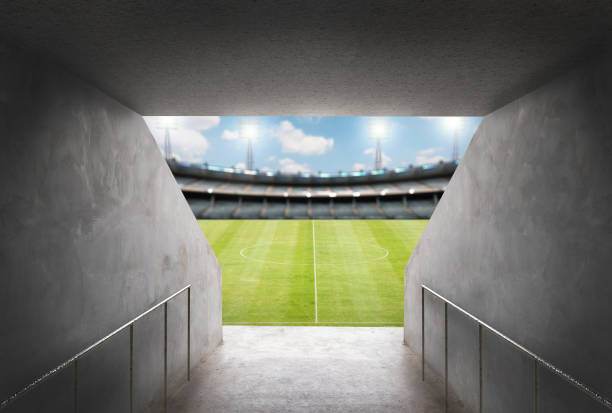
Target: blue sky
312 144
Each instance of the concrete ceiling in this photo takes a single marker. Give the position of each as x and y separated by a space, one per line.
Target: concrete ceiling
358 57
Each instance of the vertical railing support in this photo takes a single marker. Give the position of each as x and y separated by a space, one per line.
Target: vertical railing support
165 357
132 368
423 332
538 361
76 385
536 384
188 333
445 356
479 368
73 362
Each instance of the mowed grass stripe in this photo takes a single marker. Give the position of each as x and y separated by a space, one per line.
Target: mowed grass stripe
375 276
354 293
352 288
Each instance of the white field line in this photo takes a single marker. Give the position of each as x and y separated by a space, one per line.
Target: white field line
314 265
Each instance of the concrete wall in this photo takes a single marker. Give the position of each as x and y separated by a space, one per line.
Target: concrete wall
93 231
523 240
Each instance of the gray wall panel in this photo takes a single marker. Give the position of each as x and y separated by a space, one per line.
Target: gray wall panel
521 238
93 231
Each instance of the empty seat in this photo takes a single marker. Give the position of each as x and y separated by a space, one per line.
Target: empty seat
222 209
198 206
275 210
368 210
344 210
422 207
321 210
395 209
249 210
298 210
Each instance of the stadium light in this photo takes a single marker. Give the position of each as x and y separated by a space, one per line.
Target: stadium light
249 130
378 131
167 123
454 125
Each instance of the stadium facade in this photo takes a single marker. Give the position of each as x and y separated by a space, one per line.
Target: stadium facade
227 193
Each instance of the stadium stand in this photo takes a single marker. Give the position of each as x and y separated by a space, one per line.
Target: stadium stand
422 208
321 210
274 209
344 210
249 209
298 209
185 180
395 209
369 210
221 209
225 193
434 183
199 206
256 189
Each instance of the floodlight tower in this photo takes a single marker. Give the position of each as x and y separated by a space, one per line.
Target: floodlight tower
455 146
249 131
378 130
378 157
167 123
167 145
249 158
454 124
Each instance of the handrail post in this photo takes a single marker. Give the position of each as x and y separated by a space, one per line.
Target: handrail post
73 361
479 368
423 332
188 333
76 385
445 356
538 361
165 356
132 368
536 380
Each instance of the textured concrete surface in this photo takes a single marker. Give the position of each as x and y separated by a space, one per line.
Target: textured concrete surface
93 231
311 369
521 238
342 57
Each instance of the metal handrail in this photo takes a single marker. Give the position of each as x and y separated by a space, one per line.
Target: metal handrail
537 360
75 359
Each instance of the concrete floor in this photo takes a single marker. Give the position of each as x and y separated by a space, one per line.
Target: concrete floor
314 369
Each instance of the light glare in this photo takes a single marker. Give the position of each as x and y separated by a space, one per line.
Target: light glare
378 128
249 130
453 123
167 122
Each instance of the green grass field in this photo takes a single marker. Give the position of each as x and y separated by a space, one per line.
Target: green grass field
337 272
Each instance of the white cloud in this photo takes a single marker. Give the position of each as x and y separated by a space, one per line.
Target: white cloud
359 167
266 169
288 165
429 155
230 135
294 140
386 159
187 144
240 165
271 158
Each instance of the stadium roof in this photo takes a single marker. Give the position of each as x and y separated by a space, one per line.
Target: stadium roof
358 57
